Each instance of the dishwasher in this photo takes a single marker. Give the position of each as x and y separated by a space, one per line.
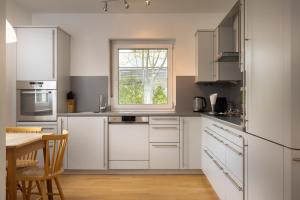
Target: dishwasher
128 142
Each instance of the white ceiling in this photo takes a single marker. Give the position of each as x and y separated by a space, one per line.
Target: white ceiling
117 6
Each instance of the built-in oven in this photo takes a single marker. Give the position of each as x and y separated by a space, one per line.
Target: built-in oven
36 101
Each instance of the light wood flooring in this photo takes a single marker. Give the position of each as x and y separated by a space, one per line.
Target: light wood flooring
137 187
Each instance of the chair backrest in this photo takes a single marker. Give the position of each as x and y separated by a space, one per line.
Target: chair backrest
24 130
53 159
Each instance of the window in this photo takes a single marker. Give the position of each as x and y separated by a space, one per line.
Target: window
142 75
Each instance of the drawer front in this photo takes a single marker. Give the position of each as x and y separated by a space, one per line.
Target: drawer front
164 156
230 134
215 145
234 160
164 120
164 133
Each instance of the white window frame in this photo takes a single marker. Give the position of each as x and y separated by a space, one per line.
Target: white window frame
138 44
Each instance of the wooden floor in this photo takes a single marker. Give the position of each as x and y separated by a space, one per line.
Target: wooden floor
137 187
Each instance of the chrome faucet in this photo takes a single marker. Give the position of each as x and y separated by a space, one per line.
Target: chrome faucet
102 107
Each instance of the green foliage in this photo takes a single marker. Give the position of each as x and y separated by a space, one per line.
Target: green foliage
131 91
159 96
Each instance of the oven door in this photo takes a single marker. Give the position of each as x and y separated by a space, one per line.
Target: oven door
36 105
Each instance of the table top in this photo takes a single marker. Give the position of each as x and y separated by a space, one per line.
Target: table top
14 140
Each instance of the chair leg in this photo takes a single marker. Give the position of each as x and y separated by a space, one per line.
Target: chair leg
24 194
43 190
38 187
29 190
60 191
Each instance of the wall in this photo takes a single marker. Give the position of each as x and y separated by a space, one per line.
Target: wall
91 32
17 16
2 100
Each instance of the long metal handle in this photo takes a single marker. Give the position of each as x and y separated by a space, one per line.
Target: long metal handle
162 127
208 154
183 164
61 125
218 165
164 145
160 119
233 149
216 138
104 142
228 131
53 56
296 159
233 181
35 92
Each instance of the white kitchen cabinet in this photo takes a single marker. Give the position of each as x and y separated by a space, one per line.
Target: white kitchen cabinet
265 178
190 132
41 52
291 174
87 144
164 155
62 124
204 56
164 133
267 65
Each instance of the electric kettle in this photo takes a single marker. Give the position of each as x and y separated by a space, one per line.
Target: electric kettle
199 104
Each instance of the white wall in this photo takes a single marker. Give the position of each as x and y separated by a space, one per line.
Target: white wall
91 32
2 99
17 16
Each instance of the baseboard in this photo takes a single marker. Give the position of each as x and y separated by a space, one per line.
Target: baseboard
136 172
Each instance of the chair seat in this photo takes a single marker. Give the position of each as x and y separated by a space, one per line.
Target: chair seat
26 163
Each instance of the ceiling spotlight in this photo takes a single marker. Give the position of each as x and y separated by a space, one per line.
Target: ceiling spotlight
148 2
126 4
105 8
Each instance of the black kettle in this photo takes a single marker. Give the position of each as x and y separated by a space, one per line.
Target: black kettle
199 104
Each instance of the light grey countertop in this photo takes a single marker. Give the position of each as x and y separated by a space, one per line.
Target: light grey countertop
234 122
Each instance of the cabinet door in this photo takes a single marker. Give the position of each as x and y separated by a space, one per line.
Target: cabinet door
36 53
265 65
164 156
204 56
191 139
87 143
264 169
62 124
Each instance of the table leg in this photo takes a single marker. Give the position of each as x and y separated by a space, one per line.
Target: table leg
11 174
49 189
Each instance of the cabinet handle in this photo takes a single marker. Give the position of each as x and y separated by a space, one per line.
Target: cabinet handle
233 181
53 51
234 150
218 165
160 119
169 127
104 146
164 145
296 159
208 154
183 143
228 131
210 134
61 125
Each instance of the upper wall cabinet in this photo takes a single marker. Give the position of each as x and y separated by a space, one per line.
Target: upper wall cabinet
38 52
217 52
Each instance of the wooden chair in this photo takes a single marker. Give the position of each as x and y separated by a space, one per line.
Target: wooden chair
29 159
53 167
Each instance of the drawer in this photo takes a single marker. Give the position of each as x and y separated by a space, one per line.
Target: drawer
230 134
164 133
164 156
164 120
234 160
215 144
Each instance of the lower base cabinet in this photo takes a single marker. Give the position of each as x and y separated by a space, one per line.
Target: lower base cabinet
164 155
265 170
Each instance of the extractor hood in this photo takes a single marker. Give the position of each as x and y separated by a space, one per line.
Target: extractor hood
228 57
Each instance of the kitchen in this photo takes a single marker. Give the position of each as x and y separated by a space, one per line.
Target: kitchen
174 92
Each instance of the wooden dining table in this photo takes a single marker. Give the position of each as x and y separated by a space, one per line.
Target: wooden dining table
17 145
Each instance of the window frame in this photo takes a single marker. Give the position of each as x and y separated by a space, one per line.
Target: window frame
129 44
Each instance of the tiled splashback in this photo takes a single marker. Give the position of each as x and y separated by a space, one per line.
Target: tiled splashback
88 88
186 89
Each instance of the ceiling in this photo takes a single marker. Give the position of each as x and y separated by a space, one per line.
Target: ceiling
117 6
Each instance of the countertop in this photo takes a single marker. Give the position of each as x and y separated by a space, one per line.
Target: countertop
234 122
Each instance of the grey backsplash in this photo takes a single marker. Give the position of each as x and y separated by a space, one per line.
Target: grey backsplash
186 89
87 90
